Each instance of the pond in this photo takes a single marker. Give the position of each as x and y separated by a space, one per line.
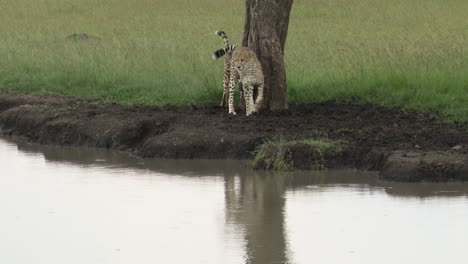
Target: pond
78 205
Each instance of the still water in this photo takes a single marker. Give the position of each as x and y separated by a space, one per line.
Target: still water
76 205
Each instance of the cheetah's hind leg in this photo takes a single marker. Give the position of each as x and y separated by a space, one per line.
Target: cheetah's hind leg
224 99
227 77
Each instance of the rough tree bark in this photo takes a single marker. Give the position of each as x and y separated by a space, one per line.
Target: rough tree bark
265 31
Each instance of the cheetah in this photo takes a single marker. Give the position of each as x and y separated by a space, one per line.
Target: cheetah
245 67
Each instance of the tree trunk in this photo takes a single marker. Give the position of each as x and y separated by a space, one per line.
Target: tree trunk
265 32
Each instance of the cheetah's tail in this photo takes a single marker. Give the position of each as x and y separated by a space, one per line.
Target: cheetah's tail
221 52
223 35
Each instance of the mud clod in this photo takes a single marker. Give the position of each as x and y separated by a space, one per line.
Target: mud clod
427 166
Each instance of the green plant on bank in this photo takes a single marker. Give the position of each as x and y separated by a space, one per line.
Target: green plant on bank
410 54
277 155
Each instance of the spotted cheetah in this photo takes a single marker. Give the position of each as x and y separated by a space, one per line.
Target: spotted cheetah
244 66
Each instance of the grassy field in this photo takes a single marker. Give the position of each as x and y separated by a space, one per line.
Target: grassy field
411 54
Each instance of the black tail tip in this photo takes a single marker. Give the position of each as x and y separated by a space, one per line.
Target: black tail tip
218 54
220 33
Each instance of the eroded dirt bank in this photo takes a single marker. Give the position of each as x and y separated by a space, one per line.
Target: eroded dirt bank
401 145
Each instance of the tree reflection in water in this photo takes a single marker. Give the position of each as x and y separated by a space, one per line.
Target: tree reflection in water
255 203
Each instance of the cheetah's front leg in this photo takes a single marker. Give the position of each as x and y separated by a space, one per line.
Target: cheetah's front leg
259 100
249 104
232 88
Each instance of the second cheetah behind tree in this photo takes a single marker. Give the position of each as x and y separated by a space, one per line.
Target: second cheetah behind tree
246 68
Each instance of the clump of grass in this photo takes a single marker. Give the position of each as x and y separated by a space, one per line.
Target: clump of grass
410 54
286 154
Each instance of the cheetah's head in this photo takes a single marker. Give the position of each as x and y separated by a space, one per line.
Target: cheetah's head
241 58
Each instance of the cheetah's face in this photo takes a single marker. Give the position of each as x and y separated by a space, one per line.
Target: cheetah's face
241 60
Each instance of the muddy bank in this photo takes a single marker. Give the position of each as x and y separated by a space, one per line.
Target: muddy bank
374 137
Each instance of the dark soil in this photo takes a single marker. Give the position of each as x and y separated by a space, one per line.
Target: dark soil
374 135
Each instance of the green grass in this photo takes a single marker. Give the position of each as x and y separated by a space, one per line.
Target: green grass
411 54
277 155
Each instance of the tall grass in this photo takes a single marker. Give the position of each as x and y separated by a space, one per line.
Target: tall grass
403 53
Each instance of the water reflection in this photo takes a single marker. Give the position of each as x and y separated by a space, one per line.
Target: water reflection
230 168
255 202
